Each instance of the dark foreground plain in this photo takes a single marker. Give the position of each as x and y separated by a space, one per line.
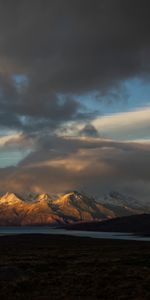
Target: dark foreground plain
62 267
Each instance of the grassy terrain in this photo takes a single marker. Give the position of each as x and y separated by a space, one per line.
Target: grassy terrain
57 267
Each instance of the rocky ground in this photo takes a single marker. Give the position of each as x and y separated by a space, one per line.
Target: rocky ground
56 267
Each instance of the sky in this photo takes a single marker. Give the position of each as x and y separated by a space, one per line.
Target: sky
75 96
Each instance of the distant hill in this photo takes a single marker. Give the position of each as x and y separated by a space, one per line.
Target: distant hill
132 224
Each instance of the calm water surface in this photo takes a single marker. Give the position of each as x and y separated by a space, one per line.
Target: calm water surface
91 234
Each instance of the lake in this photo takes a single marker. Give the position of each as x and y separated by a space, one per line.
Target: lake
90 234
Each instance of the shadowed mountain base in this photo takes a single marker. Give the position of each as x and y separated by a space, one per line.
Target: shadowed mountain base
60 267
139 224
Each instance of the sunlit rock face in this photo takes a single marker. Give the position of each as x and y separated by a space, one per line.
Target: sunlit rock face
42 209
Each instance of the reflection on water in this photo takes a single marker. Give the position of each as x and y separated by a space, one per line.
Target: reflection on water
91 234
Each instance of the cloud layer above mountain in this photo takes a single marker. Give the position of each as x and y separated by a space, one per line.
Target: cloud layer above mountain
89 164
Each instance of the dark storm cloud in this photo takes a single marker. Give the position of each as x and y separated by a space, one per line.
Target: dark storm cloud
38 110
67 47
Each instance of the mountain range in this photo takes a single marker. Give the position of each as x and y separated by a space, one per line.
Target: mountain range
42 209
